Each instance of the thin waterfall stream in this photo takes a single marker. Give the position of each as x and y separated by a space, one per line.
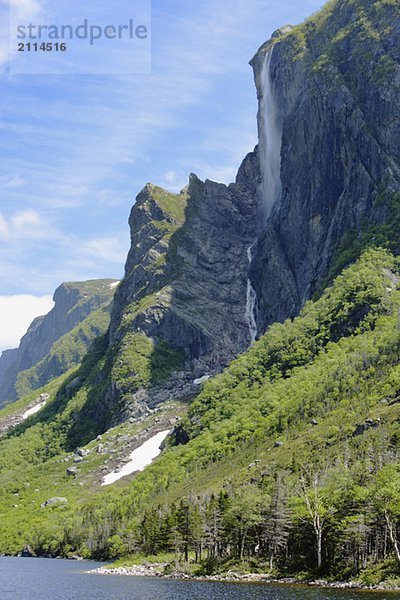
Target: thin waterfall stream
270 145
251 304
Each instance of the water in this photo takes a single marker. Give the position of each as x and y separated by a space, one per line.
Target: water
251 304
270 134
41 579
270 139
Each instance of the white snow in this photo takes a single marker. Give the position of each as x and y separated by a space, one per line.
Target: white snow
201 380
139 458
33 411
114 285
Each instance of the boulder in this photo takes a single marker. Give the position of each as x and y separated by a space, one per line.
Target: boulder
54 501
28 552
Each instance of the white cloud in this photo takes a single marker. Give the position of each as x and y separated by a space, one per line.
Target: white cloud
25 219
25 7
109 249
11 181
175 181
170 176
17 313
22 10
3 228
24 223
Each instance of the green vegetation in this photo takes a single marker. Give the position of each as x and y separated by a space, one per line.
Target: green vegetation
66 353
290 465
33 469
384 236
328 42
139 363
287 462
172 204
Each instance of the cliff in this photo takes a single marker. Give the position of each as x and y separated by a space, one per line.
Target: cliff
290 455
188 261
74 304
322 185
336 84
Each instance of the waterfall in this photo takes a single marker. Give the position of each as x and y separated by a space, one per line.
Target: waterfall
270 134
251 304
270 145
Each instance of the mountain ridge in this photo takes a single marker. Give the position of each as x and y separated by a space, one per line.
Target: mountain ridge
74 302
283 454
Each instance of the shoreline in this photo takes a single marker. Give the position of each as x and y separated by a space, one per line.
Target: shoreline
156 570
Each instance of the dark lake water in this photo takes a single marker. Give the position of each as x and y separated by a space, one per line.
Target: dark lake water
41 579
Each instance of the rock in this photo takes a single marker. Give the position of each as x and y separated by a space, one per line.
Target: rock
181 436
313 422
27 552
78 459
82 452
72 385
74 302
54 501
278 444
190 312
369 424
324 197
72 471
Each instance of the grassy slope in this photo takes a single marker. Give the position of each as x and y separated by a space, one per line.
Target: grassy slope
65 353
95 298
337 364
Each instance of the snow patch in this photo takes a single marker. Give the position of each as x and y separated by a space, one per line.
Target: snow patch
139 458
202 380
33 411
114 285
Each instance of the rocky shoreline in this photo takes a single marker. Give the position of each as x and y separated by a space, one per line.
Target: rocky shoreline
157 570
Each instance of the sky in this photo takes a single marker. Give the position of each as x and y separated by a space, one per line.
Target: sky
75 150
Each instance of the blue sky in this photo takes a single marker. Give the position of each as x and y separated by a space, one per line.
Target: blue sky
75 150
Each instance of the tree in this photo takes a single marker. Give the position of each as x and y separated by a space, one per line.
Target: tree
277 521
313 507
385 496
245 513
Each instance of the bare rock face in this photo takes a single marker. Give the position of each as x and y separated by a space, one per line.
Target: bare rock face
337 85
73 304
180 312
186 272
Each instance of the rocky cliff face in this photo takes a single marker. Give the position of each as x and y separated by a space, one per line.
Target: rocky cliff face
186 272
324 180
336 82
334 144
73 304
